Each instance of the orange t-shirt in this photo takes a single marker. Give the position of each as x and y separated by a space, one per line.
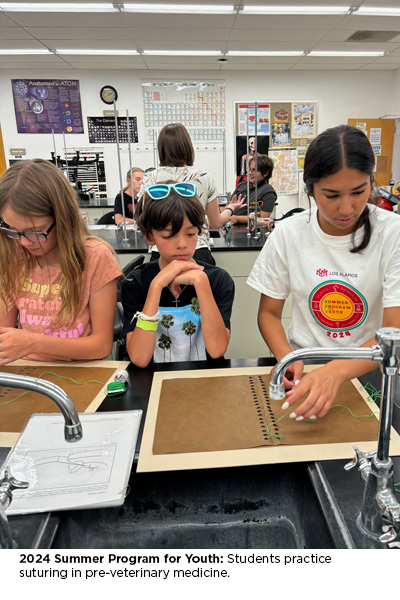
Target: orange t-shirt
40 298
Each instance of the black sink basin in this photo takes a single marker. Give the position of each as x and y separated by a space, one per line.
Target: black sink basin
246 507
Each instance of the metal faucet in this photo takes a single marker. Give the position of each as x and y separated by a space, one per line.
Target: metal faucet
380 506
72 433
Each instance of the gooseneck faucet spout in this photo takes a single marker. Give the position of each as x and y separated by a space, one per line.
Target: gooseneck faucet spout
380 506
73 427
317 356
72 433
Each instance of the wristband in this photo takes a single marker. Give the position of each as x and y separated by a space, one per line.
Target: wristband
229 208
147 325
144 317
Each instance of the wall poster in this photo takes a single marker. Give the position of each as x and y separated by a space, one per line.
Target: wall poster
285 176
304 120
199 104
246 119
102 130
46 105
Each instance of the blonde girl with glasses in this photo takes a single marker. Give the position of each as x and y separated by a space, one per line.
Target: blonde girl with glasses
57 283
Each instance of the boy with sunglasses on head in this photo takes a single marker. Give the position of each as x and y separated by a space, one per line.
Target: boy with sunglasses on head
176 308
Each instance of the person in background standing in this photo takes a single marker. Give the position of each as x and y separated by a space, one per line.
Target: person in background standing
176 155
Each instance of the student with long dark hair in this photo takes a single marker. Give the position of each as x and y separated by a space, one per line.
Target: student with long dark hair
176 155
341 263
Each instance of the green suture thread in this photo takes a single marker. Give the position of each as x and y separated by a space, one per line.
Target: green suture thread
374 394
56 375
315 420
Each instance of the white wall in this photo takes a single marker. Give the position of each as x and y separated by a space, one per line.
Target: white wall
340 95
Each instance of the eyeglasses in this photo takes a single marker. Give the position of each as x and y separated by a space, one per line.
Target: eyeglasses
31 236
162 190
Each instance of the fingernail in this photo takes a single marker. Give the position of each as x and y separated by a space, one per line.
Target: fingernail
292 415
312 418
285 405
296 382
300 418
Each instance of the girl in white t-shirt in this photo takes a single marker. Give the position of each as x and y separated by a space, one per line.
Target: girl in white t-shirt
341 263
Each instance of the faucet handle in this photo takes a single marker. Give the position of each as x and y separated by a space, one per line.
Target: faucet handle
388 536
362 460
7 485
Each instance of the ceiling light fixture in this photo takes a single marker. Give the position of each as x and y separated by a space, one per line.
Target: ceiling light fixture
97 51
25 51
265 53
179 8
344 53
296 10
182 52
57 7
377 12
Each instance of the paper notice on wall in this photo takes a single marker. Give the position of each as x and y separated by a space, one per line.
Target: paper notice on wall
375 135
285 177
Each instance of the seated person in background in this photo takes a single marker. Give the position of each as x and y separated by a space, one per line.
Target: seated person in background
57 280
266 195
134 177
175 308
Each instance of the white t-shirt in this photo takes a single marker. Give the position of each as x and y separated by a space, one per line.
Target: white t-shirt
338 297
206 190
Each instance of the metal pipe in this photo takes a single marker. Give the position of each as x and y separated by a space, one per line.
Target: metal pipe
120 171
317 356
130 154
73 427
247 174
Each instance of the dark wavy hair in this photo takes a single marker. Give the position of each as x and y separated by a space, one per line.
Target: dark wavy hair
331 151
169 212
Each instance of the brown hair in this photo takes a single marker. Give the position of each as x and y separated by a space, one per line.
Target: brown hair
175 148
265 165
38 188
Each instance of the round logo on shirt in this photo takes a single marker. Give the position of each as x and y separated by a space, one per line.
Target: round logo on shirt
337 306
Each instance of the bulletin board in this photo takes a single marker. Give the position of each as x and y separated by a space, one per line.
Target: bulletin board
380 133
279 125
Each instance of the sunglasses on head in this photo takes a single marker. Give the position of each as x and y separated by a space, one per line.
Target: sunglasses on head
160 191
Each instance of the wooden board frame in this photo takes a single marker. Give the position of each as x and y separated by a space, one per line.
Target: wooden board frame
8 439
252 456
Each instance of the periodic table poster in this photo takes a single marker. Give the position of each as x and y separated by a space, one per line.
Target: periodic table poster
47 105
101 130
200 106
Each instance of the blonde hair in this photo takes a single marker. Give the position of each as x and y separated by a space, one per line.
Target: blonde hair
129 175
38 188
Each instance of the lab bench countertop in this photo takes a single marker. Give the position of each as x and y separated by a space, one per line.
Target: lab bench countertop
299 505
236 240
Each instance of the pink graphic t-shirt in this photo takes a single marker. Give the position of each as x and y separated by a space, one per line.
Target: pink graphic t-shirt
40 297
